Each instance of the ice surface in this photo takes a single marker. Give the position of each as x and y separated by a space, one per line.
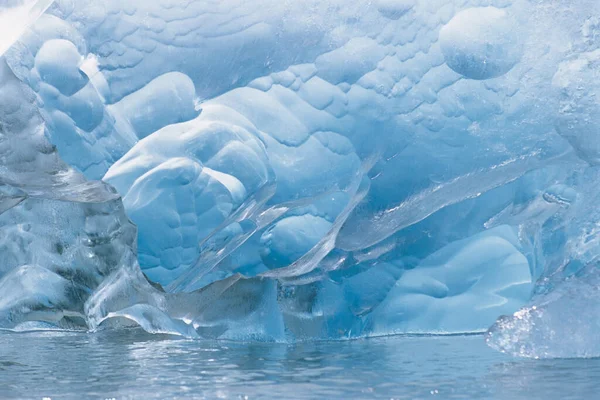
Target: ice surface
299 170
61 235
562 319
16 16
481 43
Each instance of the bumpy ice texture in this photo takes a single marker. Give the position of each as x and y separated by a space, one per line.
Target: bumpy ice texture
302 169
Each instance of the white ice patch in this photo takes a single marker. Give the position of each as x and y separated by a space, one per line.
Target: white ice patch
15 17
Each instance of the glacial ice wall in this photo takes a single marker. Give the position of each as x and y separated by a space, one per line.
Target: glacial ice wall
61 236
306 169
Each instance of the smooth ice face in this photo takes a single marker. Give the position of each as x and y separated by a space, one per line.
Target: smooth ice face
299 170
16 16
481 43
459 285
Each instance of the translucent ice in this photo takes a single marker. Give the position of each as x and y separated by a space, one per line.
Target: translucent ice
60 236
302 169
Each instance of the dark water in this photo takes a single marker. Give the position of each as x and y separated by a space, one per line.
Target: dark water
133 365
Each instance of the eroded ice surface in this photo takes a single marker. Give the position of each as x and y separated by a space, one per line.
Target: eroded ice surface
300 170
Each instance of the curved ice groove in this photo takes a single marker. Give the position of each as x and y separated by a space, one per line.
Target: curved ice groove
310 261
424 204
215 251
210 257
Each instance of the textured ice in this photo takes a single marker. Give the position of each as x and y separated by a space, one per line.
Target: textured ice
301 170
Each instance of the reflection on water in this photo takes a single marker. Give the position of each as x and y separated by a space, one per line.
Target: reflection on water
132 364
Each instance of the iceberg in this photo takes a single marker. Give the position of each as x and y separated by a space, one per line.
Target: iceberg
301 170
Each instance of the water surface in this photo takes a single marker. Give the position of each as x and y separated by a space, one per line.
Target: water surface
134 365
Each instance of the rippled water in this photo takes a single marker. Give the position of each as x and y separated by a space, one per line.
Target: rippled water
135 365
